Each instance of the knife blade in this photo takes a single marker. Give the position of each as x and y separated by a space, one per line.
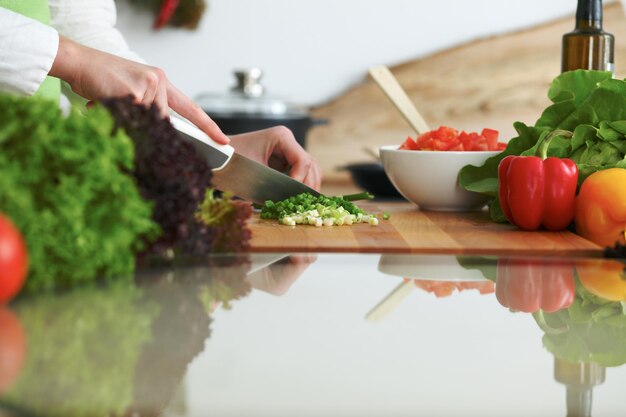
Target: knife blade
233 172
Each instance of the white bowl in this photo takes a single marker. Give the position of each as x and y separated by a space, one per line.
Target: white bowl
430 179
428 267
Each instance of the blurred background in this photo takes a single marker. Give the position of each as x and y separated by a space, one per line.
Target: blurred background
468 65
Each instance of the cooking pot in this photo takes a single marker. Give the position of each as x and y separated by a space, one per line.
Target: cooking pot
371 177
247 108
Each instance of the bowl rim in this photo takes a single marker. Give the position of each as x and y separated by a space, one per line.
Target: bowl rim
394 148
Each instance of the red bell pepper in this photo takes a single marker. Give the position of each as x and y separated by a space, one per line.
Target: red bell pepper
530 285
537 191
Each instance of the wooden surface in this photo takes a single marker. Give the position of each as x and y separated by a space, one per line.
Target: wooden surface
489 82
413 231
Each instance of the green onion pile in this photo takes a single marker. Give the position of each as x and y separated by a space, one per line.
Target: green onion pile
319 211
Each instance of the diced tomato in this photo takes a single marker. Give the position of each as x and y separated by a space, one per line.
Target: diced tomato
457 147
409 144
492 138
425 141
446 133
440 145
449 139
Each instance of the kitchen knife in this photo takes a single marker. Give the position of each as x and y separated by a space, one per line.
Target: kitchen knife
242 176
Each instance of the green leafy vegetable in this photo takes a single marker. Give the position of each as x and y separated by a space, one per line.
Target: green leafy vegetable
175 177
590 104
65 183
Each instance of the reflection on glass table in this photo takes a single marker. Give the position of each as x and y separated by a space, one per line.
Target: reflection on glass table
287 333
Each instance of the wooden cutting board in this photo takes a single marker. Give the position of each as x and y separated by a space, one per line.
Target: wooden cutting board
413 231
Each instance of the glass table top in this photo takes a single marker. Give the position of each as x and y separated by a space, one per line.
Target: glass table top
325 335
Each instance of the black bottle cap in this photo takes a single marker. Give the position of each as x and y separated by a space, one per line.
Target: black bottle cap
589 10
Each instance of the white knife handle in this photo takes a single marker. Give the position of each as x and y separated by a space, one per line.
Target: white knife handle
217 155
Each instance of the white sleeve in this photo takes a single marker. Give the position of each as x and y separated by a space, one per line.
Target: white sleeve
27 51
91 23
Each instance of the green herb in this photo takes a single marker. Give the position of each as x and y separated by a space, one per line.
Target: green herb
590 104
320 210
65 183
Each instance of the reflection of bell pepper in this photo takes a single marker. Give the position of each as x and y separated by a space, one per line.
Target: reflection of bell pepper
530 285
606 279
537 190
601 207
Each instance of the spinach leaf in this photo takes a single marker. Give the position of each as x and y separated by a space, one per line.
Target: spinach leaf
576 85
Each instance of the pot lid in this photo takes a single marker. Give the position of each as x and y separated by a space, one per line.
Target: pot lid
248 98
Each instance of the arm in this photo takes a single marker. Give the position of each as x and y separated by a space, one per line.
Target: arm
96 62
27 51
91 23
95 75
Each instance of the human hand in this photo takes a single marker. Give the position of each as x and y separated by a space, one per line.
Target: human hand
277 278
277 148
94 75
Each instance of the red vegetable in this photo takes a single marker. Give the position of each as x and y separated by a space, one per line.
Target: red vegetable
13 260
12 348
168 7
529 285
448 139
537 191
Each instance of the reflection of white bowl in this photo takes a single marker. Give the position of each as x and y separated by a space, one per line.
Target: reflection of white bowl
430 178
427 267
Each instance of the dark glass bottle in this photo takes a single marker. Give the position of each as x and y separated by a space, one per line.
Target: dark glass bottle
588 46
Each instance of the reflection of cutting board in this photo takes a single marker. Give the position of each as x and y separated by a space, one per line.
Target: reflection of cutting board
411 230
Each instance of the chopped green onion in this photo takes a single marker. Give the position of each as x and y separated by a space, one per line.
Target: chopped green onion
318 210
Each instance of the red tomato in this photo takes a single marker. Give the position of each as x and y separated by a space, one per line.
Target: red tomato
12 348
448 139
492 138
425 141
409 144
446 134
13 260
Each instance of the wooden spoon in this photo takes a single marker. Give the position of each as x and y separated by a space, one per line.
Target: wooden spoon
395 93
391 301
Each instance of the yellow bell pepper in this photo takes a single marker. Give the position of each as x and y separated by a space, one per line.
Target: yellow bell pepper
600 213
606 279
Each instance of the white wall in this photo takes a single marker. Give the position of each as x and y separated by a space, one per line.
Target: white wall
313 50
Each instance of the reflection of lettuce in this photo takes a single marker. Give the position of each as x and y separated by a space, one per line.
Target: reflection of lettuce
187 296
591 330
82 350
121 349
